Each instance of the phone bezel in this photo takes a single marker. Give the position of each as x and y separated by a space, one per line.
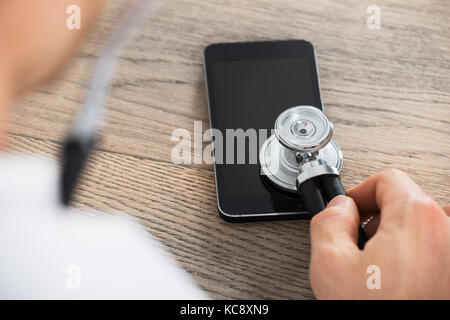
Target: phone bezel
280 49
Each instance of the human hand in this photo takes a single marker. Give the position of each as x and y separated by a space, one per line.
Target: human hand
409 243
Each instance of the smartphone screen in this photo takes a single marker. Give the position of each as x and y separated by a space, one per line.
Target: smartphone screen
249 85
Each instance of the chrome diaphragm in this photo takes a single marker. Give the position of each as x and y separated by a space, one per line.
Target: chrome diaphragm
299 130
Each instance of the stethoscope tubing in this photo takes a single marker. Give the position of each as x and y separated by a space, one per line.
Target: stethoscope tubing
318 191
83 136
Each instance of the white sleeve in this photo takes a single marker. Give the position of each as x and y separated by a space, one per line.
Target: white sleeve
49 252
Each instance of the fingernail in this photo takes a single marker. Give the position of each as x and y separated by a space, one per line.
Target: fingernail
337 201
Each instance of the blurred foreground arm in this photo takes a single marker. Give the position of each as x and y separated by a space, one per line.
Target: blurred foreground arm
407 256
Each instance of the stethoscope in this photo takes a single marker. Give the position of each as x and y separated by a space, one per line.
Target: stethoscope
301 156
84 135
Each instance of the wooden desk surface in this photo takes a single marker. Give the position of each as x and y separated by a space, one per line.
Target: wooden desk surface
387 91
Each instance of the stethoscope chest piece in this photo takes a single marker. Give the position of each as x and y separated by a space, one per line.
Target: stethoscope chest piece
299 131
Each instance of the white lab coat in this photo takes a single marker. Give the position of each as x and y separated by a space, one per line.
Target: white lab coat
50 252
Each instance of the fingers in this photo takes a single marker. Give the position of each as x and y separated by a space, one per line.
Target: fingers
388 188
336 226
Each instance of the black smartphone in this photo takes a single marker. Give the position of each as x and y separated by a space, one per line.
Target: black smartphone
249 84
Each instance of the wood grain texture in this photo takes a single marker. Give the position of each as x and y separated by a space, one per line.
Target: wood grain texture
387 91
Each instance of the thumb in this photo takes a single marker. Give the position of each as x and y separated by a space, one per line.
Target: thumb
336 226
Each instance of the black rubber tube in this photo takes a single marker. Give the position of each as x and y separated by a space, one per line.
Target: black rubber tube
332 187
311 196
